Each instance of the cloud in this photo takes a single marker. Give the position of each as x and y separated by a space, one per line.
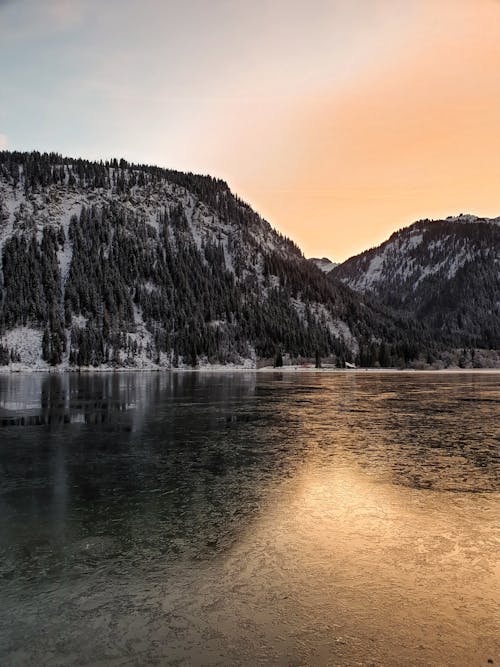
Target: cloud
3 141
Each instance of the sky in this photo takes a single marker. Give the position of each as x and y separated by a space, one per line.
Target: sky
339 121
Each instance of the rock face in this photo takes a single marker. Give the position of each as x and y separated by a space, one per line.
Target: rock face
116 265
443 273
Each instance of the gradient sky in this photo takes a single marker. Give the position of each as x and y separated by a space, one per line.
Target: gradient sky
338 120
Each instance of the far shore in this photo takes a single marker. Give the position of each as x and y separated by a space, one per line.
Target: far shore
7 370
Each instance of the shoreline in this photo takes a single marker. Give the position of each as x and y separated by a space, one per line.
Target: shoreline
242 369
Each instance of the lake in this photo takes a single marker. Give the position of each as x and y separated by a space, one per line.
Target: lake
249 519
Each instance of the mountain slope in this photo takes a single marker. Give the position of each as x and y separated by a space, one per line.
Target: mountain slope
112 265
444 273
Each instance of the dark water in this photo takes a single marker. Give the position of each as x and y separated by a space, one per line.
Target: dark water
243 519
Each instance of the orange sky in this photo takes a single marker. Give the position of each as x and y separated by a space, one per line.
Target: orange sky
338 120
413 135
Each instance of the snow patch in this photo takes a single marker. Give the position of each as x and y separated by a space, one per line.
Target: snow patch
26 343
79 321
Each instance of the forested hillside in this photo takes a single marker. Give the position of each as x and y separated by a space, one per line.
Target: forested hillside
445 274
119 265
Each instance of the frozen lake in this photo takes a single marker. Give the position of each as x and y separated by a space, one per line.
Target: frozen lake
249 519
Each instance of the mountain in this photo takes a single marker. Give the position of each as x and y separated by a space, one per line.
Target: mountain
444 273
324 264
111 265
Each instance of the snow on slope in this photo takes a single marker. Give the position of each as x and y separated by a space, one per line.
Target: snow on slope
55 205
27 344
410 256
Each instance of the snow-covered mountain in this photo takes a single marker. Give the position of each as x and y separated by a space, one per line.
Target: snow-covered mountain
112 264
108 265
446 273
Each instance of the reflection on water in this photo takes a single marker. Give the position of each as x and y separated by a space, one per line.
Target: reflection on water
315 519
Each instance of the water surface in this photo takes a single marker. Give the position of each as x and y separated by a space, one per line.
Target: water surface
249 519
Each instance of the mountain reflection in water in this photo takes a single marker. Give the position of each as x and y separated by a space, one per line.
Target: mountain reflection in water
290 519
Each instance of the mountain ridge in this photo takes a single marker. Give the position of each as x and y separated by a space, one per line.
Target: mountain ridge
114 265
119 265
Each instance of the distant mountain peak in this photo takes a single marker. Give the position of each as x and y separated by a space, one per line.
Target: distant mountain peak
469 217
323 263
